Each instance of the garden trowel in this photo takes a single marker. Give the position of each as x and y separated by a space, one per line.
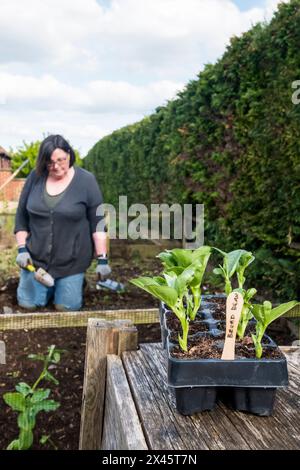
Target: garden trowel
234 305
41 275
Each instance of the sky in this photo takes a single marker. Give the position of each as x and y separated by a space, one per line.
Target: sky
85 68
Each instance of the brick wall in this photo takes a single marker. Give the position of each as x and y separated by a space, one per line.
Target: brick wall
13 189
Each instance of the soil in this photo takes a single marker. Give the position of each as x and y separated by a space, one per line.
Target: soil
206 347
195 327
63 425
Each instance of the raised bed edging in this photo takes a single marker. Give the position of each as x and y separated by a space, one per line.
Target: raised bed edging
19 321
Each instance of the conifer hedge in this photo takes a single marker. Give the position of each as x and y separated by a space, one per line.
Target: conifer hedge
230 140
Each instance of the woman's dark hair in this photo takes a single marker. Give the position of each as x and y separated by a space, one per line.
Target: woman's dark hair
47 147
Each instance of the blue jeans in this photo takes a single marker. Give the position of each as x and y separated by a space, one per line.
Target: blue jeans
67 292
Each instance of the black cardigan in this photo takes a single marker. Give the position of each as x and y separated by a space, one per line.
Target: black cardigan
60 239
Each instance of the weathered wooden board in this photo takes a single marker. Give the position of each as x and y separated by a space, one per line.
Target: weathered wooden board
19 321
103 338
122 429
222 428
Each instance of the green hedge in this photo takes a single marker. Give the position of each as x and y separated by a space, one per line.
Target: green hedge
230 140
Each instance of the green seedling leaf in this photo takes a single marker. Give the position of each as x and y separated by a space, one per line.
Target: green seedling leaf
14 445
23 388
56 358
15 400
183 280
279 311
40 395
182 257
265 315
165 293
50 377
46 405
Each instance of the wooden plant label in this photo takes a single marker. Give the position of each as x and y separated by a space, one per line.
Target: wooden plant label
234 305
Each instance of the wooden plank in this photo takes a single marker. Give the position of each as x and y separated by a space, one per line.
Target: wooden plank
221 428
98 345
163 426
122 429
2 353
292 354
20 321
102 339
128 340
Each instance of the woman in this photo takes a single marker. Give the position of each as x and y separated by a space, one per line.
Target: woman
56 228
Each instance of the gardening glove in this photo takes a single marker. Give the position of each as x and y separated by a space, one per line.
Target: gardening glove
103 269
23 258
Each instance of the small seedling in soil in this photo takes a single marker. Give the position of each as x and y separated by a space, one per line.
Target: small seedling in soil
179 287
28 400
236 262
265 315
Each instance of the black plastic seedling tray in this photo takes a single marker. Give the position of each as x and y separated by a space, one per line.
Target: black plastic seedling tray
244 384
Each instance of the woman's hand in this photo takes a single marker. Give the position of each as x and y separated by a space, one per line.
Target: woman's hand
103 268
23 258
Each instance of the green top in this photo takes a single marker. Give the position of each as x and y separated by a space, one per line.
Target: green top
51 201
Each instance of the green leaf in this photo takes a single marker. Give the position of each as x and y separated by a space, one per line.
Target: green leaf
233 259
175 270
145 281
46 405
50 377
167 259
183 257
260 312
39 395
23 388
15 400
246 259
165 293
201 253
183 280
56 357
280 310
14 445
170 279
249 294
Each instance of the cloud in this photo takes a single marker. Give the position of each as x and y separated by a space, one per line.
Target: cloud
156 37
46 92
81 130
64 62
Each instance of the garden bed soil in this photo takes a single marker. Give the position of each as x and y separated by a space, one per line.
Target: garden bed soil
206 347
62 425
